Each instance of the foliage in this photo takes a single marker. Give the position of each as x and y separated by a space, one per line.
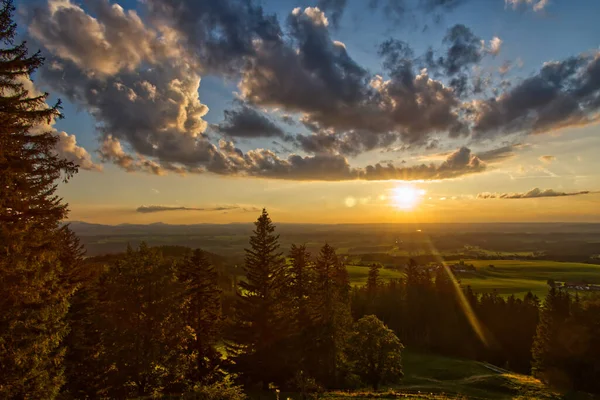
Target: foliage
142 334
258 331
222 390
38 257
375 352
202 314
333 322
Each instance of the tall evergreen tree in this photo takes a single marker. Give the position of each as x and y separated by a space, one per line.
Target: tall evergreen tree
203 314
332 305
547 351
373 281
302 316
34 249
259 328
142 332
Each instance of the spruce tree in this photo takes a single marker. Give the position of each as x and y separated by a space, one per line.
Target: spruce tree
547 351
332 305
373 279
301 314
35 251
258 330
142 332
203 314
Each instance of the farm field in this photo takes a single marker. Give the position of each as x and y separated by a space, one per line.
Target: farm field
506 276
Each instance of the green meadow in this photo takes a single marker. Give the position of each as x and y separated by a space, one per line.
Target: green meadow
505 276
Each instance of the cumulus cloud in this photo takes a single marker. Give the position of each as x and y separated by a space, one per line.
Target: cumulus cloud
459 163
159 208
495 45
222 34
533 193
563 93
247 122
139 79
66 145
462 51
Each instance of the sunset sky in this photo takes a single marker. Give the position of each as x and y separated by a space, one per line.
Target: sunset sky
326 111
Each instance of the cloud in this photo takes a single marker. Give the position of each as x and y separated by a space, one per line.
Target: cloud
158 208
505 67
139 79
393 9
534 193
459 163
463 49
562 94
537 5
66 145
247 122
502 153
495 45
547 159
221 34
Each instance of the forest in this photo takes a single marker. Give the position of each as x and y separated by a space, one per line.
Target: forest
149 323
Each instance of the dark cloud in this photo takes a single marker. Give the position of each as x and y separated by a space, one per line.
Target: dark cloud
334 167
463 49
289 120
534 193
440 5
247 122
220 33
395 10
155 209
140 81
502 153
334 8
563 93
459 163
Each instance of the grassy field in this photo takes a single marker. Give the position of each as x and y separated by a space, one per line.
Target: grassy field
431 377
506 276
434 377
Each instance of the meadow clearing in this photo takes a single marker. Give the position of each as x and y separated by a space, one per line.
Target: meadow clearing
505 276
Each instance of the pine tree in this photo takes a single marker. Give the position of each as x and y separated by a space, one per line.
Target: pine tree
373 281
142 332
302 316
547 351
258 330
35 251
203 314
332 305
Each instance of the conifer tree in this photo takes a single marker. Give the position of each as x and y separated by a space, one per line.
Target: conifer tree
547 351
203 314
143 334
332 298
301 281
35 251
258 330
373 279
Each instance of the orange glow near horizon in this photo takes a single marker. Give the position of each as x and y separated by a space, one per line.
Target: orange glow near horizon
406 197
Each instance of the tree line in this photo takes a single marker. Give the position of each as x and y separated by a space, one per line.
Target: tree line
146 325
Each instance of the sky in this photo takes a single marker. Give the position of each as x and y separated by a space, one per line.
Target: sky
323 111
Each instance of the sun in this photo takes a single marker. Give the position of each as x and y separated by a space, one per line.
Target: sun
406 197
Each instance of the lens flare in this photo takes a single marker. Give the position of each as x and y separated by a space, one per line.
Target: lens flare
406 197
